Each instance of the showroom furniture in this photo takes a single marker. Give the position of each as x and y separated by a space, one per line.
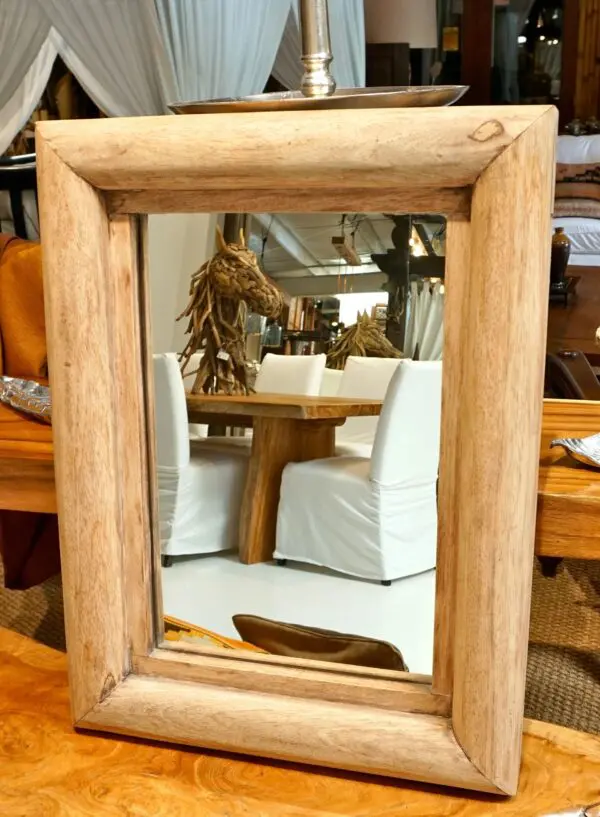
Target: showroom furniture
375 518
199 490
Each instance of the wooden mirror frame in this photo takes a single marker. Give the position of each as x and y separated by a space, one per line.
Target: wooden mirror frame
491 172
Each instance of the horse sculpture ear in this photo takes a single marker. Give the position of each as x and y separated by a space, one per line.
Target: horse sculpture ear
221 243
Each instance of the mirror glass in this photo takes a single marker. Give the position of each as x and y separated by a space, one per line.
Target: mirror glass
297 390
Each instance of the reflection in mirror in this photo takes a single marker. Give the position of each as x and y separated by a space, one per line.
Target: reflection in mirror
297 456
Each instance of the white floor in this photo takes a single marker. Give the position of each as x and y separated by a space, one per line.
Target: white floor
208 590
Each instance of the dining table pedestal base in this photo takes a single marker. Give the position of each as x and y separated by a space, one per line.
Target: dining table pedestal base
275 443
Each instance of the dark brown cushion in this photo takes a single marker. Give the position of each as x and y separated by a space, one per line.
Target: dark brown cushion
296 641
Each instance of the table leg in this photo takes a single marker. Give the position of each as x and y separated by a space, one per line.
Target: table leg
275 442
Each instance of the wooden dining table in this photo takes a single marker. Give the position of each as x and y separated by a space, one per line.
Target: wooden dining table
568 493
286 428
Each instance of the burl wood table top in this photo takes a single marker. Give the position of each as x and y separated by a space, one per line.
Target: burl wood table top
48 769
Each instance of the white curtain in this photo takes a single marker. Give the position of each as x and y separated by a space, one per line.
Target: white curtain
23 31
425 326
115 50
221 48
15 113
347 28
27 59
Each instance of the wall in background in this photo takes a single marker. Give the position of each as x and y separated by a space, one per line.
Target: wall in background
353 302
178 245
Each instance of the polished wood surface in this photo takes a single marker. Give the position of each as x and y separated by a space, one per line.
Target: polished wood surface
285 406
26 463
587 88
574 326
568 493
49 769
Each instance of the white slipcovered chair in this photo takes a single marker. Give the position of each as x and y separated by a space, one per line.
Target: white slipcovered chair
278 374
290 374
366 378
199 491
330 384
376 517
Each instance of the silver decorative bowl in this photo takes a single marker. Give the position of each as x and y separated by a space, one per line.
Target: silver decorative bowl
582 449
27 396
401 96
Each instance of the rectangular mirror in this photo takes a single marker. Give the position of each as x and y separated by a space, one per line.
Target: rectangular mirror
490 173
308 538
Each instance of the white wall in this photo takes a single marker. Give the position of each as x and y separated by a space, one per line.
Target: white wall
178 245
353 302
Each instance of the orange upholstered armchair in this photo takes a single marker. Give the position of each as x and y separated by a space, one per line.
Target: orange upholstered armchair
28 541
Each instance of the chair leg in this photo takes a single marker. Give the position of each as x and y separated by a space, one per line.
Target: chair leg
386 582
549 565
282 562
166 561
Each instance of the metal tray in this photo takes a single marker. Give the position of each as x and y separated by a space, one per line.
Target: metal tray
403 96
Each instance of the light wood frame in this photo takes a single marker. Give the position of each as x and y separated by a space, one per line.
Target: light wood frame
491 171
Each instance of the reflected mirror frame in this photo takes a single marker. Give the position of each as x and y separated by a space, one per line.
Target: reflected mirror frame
490 171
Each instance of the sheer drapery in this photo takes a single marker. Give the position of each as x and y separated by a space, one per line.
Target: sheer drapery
347 28
27 59
15 113
23 31
115 50
508 24
221 48
425 326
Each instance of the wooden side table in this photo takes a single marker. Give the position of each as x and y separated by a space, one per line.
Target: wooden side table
46 768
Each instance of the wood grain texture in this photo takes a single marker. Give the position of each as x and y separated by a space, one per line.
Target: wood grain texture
284 406
277 441
568 493
587 87
81 355
458 255
504 339
47 768
506 154
435 149
330 684
453 202
27 483
123 277
284 728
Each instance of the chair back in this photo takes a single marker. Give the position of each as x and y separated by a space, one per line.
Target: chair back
171 420
407 443
330 384
367 378
290 374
